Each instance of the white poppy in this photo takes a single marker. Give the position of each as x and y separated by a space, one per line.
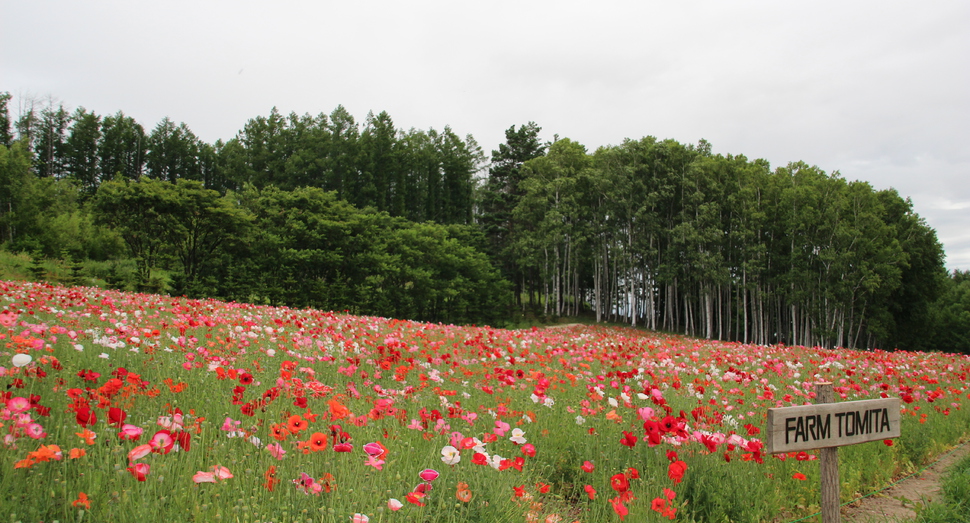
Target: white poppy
20 360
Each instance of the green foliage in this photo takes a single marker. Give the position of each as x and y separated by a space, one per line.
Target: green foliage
950 315
649 232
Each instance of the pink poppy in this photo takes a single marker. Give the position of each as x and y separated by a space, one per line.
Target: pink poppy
139 452
204 477
139 470
428 474
18 404
130 432
162 442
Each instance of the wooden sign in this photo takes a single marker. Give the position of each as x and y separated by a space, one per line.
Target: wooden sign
828 426
832 424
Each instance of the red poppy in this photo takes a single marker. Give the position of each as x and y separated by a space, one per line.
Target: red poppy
86 417
619 483
675 471
591 492
653 431
184 439
587 466
799 476
619 508
628 439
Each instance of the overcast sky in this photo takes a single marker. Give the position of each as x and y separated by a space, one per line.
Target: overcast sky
879 91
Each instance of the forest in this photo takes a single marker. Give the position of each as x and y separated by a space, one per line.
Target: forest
325 212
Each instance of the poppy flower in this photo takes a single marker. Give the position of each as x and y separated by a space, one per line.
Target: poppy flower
85 417
653 431
271 479
130 432
317 441
628 439
296 424
162 442
428 475
76 453
676 470
588 466
450 455
376 449
116 417
394 504
139 452
204 477
799 476
18 404
620 483
619 508
415 498
462 493
276 450
184 440
139 470
591 492
82 501
529 450
343 447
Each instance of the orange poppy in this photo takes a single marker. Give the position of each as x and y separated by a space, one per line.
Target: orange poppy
77 453
296 424
318 441
328 482
82 501
279 432
337 410
87 435
463 494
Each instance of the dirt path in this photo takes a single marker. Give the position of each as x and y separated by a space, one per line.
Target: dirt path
896 504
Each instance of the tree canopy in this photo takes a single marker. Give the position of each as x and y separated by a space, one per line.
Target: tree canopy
323 211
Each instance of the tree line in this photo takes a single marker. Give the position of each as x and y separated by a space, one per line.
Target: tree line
321 211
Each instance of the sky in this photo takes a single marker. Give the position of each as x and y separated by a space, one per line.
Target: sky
878 91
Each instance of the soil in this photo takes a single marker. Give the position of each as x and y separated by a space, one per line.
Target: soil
896 503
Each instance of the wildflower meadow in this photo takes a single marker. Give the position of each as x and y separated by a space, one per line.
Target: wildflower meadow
130 407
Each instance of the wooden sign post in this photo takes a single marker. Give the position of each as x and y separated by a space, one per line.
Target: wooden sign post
827 426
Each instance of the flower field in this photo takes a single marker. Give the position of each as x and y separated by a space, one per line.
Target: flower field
124 407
